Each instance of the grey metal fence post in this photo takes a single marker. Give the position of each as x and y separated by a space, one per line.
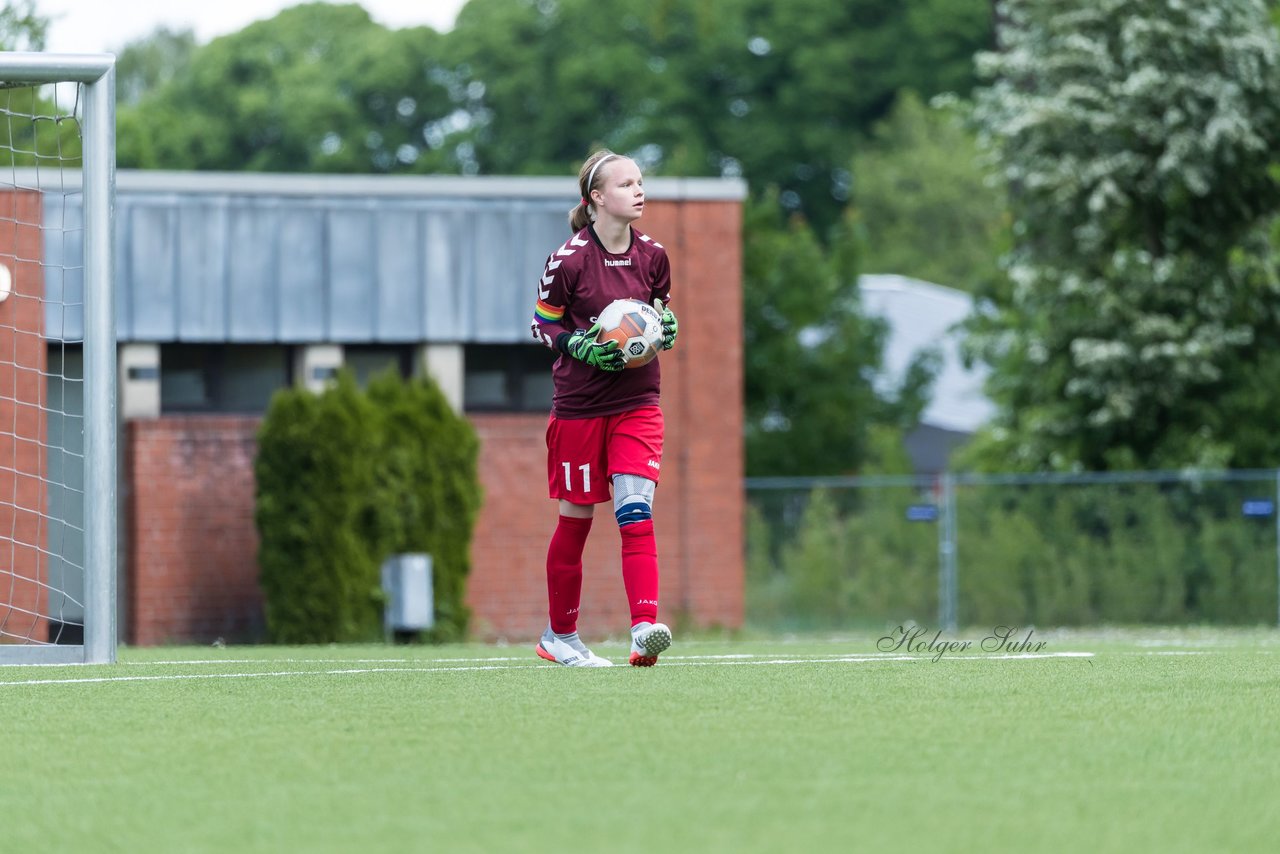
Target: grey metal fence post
947 555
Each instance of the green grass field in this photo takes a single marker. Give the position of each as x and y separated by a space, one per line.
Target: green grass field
1136 740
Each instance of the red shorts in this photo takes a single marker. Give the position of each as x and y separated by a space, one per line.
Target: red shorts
583 454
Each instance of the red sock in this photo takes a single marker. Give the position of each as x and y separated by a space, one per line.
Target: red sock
564 572
640 571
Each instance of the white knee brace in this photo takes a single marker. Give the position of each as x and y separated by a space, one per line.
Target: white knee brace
632 498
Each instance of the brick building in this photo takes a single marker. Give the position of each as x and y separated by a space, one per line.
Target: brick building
230 286
24 490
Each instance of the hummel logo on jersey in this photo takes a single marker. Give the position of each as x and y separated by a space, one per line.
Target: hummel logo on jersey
625 262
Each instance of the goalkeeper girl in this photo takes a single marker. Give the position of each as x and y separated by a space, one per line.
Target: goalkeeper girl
605 430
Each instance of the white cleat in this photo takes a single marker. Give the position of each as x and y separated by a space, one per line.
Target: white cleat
569 651
647 641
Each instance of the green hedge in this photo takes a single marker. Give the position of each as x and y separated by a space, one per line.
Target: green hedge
837 558
348 477
1026 555
430 482
1114 553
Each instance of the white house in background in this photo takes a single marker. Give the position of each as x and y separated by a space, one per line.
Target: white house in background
922 315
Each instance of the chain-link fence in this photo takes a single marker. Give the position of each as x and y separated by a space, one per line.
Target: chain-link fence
1125 547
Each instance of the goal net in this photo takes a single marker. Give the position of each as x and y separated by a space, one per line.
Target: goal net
57 360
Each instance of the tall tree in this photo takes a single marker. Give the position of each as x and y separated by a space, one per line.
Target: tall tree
146 64
773 90
1140 324
815 390
924 201
317 88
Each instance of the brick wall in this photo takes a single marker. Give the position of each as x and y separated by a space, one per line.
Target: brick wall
23 425
192 544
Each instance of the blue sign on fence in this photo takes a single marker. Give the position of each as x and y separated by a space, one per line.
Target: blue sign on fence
922 513
1258 507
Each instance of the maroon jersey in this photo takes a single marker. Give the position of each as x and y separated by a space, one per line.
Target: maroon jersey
580 279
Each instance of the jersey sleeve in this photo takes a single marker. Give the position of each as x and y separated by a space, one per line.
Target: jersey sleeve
549 318
661 273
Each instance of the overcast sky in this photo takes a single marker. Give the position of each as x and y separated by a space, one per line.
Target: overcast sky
95 26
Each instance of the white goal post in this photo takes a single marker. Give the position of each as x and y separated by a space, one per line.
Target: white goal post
57 359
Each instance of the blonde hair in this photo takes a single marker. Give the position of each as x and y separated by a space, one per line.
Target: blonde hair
589 177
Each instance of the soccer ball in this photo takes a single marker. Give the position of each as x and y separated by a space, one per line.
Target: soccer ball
636 326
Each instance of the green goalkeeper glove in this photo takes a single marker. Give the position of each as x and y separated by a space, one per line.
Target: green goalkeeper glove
670 326
583 346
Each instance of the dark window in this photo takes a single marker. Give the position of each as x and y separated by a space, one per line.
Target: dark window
221 378
508 378
368 361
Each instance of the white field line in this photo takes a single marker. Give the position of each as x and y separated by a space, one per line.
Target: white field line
685 661
528 659
729 657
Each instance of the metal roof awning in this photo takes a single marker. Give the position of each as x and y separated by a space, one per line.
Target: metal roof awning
269 258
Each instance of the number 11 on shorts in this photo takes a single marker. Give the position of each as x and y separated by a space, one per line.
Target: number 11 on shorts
586 476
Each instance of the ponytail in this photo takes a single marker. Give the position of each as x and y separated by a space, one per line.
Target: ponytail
580 215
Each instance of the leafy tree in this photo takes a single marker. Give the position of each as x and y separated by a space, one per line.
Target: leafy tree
147 63
22 27
774 91
1139 325
317 88
922 198
38 126
812 358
